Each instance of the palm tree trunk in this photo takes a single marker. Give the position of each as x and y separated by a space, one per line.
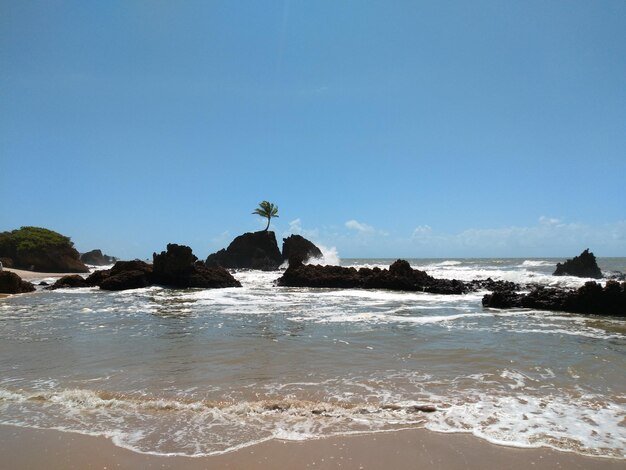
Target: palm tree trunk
268 224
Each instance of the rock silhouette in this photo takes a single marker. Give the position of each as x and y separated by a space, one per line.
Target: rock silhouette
583 265
252 250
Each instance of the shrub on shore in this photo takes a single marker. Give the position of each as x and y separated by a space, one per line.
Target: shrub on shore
40 249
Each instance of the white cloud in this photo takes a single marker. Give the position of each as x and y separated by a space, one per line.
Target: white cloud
359 227
295 227
421 230
549 220
550 237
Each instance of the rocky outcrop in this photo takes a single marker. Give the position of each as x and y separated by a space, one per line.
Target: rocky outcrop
399 276
97 277
125 280
591 298
297 249
96 258
40 249
257 250
11 283
583 265
73 280
126 275
178 267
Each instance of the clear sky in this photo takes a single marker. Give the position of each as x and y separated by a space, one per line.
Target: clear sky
383 129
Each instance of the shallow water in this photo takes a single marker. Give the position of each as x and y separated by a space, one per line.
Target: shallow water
200 372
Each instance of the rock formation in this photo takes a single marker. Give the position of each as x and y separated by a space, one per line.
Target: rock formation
11 283
178 267
399 276
126 275
96 258
40 249
583 265
73 280
297 249
591 298
256 250
97 277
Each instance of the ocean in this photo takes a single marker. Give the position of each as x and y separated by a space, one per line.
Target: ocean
202 372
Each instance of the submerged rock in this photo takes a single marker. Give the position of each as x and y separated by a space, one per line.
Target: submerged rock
73 280
256 250
583 265
591 298
297 249
11 283
399 276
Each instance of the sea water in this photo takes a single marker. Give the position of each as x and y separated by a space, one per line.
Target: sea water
203 372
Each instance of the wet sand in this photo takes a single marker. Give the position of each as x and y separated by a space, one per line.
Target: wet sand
23 448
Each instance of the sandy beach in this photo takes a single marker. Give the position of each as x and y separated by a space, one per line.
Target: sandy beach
24 448
30 275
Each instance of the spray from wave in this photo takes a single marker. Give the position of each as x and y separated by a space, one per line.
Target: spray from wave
330 256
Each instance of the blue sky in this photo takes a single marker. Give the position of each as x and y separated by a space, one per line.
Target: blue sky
383 129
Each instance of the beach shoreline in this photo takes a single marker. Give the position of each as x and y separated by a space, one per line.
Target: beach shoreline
28 448
30 275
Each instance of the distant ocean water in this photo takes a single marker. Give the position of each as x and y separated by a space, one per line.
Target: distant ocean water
200 372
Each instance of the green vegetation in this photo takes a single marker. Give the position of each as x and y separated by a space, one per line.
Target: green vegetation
31 239
266 209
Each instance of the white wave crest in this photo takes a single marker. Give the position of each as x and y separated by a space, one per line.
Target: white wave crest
536 263
330 256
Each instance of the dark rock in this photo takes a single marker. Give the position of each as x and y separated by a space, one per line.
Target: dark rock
400 276
133 265
401 268
43 283
583 265
96 258
177 260
300 275
126 275
615 275
502 299
178 267
132 279
257 250
11 283
491 285
40 249
210 278
97 277
422 408
591 298
297 249
6 262
73 280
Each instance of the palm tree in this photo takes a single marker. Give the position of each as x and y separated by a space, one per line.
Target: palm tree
266 209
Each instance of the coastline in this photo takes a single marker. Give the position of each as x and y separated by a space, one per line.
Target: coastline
30 275
27 448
